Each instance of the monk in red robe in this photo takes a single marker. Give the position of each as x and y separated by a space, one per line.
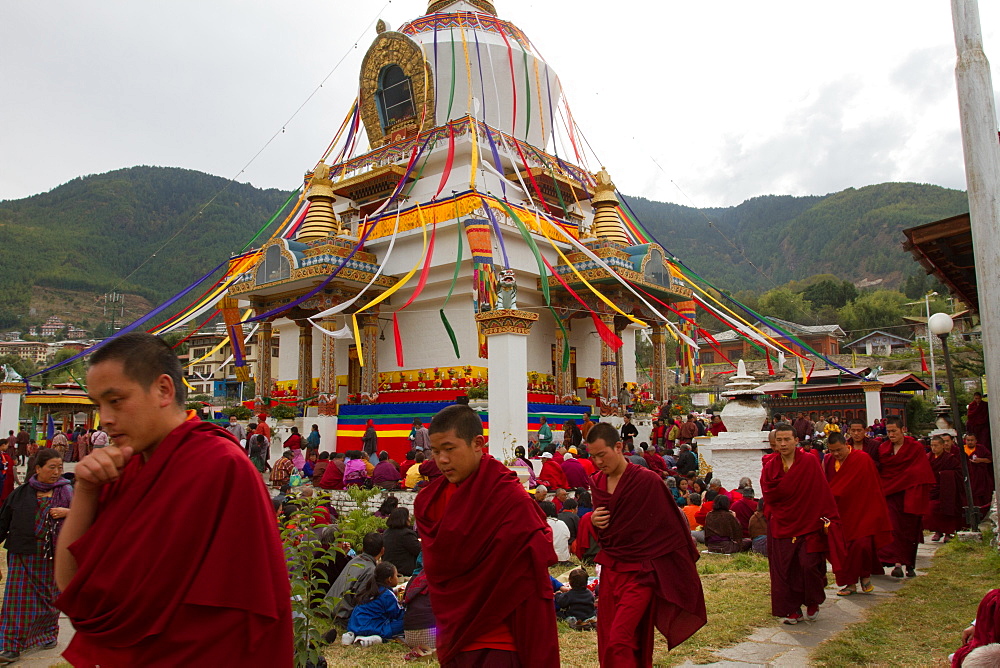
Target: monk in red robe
552 474
486 551
985 631
656 462
864 516
947 496
980 473
857 439
906 483
170 555
977 420
798 506
333 476
648 575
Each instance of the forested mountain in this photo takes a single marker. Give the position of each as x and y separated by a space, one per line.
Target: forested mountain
92 232
854 234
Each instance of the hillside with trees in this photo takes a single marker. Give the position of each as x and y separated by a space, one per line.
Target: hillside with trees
91 233
855 234
99 232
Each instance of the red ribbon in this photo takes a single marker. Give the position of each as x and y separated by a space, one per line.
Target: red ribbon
608 336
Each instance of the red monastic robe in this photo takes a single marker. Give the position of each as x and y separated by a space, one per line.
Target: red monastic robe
487 566
648 574
797 504
987 627
947 496
906 483
864 516
183 564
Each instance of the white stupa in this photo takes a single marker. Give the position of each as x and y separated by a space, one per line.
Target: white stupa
737 453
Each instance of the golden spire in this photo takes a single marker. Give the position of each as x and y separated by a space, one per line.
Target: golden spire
435 6
607 223
320 221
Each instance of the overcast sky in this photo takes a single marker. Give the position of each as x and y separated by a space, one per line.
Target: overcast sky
733 99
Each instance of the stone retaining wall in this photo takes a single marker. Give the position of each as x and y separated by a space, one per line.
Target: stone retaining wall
342 501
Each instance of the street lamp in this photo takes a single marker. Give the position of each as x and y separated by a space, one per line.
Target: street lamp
941 324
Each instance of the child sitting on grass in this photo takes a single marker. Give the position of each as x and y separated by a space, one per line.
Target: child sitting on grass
576 606
377 616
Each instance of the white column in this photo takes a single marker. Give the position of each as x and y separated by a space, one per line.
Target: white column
978 114
10 408
873 400
507 333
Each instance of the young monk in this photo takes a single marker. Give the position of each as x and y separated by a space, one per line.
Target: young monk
798 506
906 482
980 473
146 558
946 513
486 563
647 558
864 516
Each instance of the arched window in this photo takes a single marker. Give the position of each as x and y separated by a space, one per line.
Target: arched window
275 266
394 96
654 271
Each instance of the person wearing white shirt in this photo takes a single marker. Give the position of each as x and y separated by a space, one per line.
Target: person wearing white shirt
560 532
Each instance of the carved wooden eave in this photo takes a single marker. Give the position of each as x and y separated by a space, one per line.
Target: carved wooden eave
370 189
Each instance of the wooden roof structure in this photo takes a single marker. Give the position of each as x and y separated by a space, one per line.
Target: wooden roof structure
944 249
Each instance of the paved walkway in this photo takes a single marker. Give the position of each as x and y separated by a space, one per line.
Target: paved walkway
784 645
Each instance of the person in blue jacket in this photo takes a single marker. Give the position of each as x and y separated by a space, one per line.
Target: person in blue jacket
377 616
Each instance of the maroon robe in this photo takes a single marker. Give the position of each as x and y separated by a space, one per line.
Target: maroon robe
333 477
947 496
744 509
981 478
552 475
906 483
863 516
193 582
656 462
487 565
977 421
648 574
797 504
987 627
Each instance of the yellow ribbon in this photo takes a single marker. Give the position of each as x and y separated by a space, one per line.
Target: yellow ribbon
584 280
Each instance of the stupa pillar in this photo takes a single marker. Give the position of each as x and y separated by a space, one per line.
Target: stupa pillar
328 371
609 375
564 380
369 372
873 400
10 406
263 382
506 331
659 371
305 362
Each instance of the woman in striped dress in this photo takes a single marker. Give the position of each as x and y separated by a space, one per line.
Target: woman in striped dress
29 523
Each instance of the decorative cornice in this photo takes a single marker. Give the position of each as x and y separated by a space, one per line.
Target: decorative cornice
506 321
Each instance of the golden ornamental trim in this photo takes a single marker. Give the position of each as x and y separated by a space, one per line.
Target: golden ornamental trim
394 48
506 321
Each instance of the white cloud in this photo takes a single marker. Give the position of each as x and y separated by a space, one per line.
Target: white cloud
733 99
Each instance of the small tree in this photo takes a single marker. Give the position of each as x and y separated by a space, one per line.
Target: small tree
241 412
283 412
306 560
359 522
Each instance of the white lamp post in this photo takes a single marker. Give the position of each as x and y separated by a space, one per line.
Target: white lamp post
941 324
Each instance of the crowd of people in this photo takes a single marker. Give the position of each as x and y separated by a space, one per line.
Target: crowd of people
466 573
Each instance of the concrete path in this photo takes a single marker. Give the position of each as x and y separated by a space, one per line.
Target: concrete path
45 658
784 645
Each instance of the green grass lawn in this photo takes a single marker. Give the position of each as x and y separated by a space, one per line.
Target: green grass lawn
922 624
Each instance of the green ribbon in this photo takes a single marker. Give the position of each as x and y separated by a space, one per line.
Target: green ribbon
454 280
273 218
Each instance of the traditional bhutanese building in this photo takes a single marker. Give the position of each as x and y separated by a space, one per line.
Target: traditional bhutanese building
466 188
